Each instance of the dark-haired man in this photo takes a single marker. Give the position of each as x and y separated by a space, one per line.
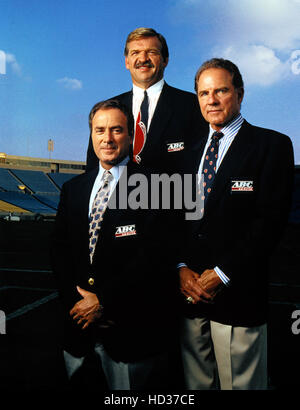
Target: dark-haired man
115 278
173 118
245 185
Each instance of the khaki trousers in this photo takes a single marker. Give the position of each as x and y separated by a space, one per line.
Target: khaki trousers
148 374
221 356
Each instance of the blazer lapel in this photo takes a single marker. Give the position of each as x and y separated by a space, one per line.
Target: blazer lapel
126 99
113 215
232 161
84 192
160 119
82 202
192 157
122 188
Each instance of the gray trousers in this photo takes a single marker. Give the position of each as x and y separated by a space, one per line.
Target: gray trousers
148 374
222 356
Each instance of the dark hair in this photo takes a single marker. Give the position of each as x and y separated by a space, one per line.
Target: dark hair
227 65
113 104
147 32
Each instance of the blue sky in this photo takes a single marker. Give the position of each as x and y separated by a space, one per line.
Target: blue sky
59 57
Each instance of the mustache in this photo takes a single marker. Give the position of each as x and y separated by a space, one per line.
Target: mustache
144 64
108 144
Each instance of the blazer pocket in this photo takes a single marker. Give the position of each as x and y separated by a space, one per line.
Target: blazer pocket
242 186
174 145
128 231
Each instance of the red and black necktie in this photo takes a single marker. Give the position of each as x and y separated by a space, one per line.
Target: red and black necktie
140 134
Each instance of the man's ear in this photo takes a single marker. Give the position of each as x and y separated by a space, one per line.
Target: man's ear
126 63
241 94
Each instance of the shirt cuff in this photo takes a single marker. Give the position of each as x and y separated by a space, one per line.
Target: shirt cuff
180 265
222 276
218 271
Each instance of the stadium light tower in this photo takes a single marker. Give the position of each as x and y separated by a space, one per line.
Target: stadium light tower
50 147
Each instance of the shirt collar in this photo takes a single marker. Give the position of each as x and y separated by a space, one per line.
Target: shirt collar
231 127
115 170
151 91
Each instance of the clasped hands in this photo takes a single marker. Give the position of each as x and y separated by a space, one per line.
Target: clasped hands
88 310
201 288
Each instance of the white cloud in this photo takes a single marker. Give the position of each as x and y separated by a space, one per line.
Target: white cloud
70 83
260 36
274 23
257 63
11 60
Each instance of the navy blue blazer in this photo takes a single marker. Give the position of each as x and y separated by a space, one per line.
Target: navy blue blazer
241 227
134 274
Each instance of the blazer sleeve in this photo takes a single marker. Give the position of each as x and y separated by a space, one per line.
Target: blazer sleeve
61 258
270 212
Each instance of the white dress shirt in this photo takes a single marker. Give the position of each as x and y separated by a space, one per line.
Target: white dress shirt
153 96
116 172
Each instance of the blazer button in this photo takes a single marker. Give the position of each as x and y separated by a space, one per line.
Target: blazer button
91 281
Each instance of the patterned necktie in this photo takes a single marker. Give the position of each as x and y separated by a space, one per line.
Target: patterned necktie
141 129
209 165
98 209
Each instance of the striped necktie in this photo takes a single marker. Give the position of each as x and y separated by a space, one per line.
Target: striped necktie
98 209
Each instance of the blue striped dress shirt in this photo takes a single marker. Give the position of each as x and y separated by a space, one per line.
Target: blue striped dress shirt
229 132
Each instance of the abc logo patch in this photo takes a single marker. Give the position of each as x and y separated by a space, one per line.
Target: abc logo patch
125 230
241 186
175 146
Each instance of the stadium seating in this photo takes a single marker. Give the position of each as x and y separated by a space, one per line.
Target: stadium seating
49 200
7 181
36 181
41 193
27 202
59 179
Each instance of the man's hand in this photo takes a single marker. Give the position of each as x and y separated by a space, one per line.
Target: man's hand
191 286
87 310
210 282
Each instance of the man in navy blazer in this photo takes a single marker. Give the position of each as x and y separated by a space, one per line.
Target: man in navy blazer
119 307
174 120
245 188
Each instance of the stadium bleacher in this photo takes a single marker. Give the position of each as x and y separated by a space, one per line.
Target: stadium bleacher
36 181
48 199
34 191
27 202
59 179
7 181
